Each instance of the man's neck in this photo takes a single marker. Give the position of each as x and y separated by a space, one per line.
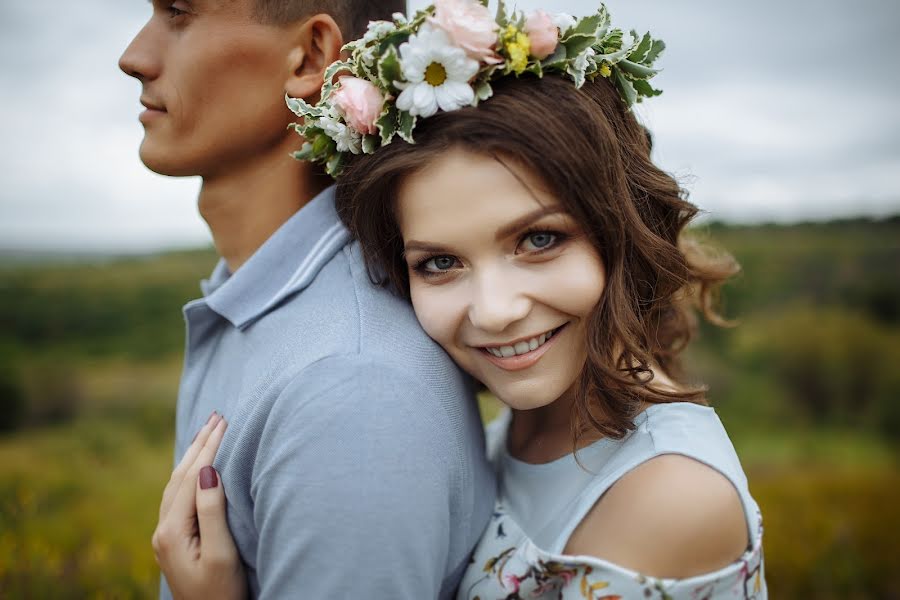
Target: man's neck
245 205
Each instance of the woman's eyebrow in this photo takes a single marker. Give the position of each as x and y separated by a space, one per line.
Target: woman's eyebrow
504 232
423 247
526 220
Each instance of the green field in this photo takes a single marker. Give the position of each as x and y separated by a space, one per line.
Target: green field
807 384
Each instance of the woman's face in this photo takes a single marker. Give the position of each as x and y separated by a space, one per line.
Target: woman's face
500 275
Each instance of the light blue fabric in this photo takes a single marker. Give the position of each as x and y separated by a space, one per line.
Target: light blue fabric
540 505
549 500
354 461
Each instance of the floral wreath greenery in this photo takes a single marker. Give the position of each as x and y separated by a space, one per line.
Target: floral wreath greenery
445 57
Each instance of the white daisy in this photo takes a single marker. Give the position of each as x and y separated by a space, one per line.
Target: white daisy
346 138
438 74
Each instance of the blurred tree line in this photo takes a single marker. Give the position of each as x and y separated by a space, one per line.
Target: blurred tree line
807 385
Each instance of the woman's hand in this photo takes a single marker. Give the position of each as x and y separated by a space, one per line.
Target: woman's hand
193 546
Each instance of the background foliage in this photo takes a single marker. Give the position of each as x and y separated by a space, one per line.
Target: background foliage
807 384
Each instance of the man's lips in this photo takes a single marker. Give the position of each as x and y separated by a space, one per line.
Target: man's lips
150 105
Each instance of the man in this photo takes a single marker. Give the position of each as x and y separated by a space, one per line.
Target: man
353 462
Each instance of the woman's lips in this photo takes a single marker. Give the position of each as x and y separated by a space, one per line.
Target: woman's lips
523 361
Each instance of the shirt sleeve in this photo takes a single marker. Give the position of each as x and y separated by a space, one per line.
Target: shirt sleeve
352 486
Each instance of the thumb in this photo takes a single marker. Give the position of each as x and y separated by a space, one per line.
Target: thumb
216 542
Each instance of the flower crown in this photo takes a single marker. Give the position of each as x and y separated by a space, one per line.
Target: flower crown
445 58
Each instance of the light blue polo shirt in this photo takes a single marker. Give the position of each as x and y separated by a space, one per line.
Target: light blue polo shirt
354 461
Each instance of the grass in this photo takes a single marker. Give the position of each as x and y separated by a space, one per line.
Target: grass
77 509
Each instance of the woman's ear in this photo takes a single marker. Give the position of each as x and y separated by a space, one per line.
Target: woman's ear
318 44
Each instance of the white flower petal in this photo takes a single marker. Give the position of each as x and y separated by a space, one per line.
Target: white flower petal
453 95
424 100
405 99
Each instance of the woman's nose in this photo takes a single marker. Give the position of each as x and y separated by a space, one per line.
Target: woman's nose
497 302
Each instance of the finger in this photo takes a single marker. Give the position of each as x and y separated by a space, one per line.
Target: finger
217 546
186 461
184 508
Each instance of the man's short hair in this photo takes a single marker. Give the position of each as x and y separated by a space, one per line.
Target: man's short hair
352 16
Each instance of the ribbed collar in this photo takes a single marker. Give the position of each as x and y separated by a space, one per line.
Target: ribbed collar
284 265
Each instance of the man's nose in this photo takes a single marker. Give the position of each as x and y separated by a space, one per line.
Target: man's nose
141 58
498 301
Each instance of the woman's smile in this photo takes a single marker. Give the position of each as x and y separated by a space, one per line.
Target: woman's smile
523 353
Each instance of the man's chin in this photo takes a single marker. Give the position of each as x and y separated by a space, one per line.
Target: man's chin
165 163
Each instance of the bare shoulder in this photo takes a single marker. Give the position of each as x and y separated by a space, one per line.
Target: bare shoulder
672 516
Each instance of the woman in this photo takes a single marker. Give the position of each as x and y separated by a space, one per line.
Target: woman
542 249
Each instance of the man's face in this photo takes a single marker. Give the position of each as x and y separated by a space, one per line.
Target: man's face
213 85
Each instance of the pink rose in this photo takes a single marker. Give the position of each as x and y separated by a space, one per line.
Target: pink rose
360 102
470 26
543 34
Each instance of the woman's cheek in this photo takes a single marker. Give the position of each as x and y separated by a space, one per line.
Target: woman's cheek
580 282
434 310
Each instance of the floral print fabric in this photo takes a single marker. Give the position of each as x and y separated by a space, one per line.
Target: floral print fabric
506 565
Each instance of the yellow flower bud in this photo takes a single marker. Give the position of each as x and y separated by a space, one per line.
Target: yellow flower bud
518 48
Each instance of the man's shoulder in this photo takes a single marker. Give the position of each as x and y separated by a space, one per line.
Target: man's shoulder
344 312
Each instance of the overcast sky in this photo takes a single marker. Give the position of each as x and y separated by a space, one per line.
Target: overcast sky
773 110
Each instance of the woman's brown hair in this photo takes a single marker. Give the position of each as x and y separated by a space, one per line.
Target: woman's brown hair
592 153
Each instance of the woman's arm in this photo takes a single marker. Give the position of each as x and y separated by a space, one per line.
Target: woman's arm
670 517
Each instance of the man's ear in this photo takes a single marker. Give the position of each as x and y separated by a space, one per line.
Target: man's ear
318 43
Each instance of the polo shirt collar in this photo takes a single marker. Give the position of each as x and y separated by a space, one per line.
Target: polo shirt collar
284 265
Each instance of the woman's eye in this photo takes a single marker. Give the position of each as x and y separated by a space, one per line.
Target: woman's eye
540 240
439 263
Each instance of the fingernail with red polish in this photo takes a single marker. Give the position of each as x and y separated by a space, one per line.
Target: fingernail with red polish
208 478
211 417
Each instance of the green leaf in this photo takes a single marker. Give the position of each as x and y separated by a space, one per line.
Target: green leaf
302 108
535 67
406 126
587 26
612 41
655 51
502 18
334 164
645 90
335 68
613 57
642 49
557 60
327 89
605 22
576 74
576 44
626 89
389 69
420 18
483 90
387 123
304 153
320 144
369 143
393 39
635 70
